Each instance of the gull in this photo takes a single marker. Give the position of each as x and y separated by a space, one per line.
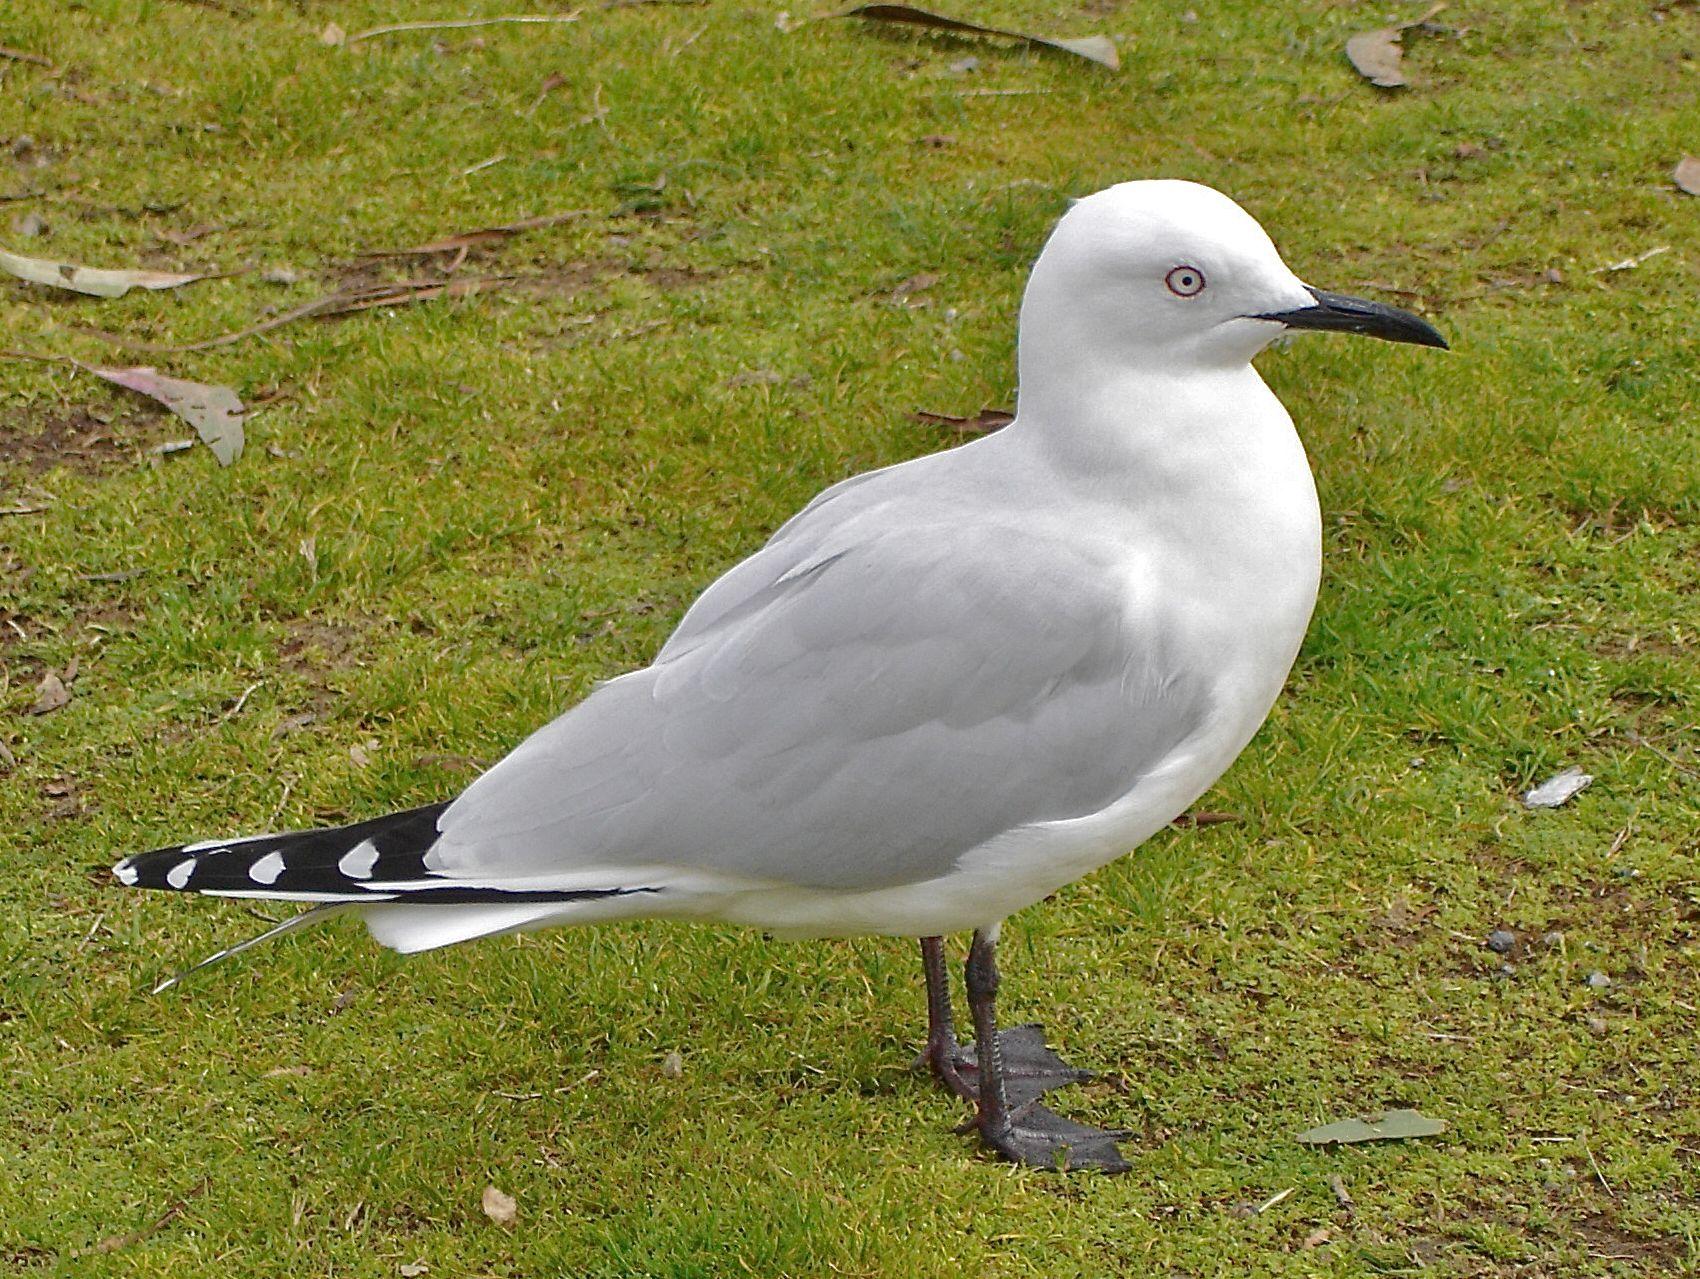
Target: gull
941 691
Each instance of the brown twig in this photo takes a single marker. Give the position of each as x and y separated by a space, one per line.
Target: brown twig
1635 739
18 55
483 235
114 1242
1206 818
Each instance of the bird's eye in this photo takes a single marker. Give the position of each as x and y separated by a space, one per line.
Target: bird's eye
1185 281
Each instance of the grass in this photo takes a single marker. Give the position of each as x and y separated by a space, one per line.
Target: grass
453 517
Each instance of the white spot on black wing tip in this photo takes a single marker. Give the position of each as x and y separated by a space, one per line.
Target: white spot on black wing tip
267 869
125 873
358 861
178 875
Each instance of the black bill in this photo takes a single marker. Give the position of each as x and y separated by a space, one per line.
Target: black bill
1336 312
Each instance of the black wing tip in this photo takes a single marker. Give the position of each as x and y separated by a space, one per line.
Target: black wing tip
308 866
151 869
305 863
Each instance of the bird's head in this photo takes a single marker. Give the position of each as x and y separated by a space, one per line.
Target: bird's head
1175 275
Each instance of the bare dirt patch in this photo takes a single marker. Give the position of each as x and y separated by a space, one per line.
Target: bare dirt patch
1609 1241
317 647
39 440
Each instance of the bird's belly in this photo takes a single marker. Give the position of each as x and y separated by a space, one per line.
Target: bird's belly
1021 866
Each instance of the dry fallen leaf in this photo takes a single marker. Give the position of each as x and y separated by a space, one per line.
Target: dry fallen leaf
87 279
1558 789
332 34
292 723
500 1208
1099 49
50 694
1391 1125
982 423
214 411
1687 175
914 284
1379 55
182 239
673 1065
412 1270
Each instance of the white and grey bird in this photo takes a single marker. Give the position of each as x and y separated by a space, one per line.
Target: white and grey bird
942 690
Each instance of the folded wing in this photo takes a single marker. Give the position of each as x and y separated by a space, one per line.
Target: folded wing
857 710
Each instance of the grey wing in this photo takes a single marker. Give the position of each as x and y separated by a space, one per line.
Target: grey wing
860 720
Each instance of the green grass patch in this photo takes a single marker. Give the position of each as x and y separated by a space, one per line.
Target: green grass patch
453 517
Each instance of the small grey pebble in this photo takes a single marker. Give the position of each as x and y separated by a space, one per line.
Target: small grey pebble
1598 980
1505 971
29 224
1553 939
280 275
1501 940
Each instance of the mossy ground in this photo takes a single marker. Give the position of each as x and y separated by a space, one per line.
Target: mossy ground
453 517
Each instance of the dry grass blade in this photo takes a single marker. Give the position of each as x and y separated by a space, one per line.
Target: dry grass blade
342 302
482 235
416 291
1099 49
452 24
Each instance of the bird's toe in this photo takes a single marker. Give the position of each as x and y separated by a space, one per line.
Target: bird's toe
1037 1137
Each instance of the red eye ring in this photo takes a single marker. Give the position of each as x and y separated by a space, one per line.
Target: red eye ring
1185 281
